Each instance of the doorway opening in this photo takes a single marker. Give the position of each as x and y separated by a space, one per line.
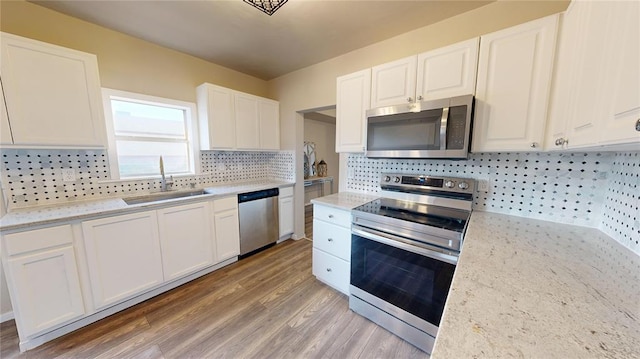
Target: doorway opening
320 162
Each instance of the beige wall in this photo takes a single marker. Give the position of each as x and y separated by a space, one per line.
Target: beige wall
315 86
126 63
323 134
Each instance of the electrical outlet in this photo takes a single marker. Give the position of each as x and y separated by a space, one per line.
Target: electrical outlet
68 175
483 185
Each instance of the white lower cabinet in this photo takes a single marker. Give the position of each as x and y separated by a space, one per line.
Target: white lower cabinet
286 212
332 246
331 270
123 256
43 278
227 228
186 239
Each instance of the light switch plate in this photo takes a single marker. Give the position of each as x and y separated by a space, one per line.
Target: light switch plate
68 175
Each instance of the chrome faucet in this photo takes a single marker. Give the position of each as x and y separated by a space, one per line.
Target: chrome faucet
164 184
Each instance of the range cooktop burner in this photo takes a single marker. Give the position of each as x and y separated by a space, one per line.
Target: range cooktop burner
428 215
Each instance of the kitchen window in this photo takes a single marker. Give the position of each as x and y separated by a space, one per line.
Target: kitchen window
142 128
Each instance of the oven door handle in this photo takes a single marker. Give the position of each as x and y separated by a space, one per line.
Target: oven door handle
401 243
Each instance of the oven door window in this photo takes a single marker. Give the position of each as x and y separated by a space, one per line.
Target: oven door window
412 282
417 131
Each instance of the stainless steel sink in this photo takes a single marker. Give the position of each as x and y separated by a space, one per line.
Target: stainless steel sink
162 196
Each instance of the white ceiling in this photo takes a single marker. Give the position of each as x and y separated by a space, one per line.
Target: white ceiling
233 34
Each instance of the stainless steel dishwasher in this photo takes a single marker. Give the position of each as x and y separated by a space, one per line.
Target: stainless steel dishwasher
259 224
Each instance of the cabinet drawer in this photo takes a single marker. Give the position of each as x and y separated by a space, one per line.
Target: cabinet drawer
332 215
331 270
224 204
286 192
332 239
38 239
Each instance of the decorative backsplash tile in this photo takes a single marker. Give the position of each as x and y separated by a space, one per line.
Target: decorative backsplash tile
586 189
34 177
621 209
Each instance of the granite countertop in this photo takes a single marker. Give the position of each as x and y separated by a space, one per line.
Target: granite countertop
527 288
26 217
344 200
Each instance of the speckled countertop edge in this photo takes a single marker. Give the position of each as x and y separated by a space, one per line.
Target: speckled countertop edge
81 210
345 200
534 289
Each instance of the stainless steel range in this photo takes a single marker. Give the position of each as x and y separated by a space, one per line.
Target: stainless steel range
404 250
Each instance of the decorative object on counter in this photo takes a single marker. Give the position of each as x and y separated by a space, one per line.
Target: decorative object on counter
322 168
268 7
309 159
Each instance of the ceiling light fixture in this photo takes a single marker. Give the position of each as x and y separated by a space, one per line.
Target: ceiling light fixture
266 6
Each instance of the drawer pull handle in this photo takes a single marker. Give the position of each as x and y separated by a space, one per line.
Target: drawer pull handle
328 269
331 216
330 239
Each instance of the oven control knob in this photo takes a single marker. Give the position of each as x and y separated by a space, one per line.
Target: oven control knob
449 184
463 185
396 179
387 178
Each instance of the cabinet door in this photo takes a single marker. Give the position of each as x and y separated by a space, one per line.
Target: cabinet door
186 239
123 255
285 205
216 117
512 93
624 111
353 100
449 71
561 106
52 94
590 63
247 121
46 289
393 83
269 125
227 228
5 129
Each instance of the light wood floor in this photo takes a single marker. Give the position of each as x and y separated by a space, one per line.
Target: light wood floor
265 306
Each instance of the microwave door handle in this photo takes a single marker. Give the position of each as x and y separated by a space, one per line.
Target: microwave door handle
443 128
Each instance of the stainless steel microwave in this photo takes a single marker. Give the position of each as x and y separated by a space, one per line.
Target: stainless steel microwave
425 129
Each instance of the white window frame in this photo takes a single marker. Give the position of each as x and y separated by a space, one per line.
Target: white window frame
191 123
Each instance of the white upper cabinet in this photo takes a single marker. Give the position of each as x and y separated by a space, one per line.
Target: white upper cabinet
216 117
269 112
5 128
52 94
394 82
590 77
353 100
445 72
247 122
623 114
235 120
512 93
448 72
596 95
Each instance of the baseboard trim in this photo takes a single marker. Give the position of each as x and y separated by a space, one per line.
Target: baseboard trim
6 316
